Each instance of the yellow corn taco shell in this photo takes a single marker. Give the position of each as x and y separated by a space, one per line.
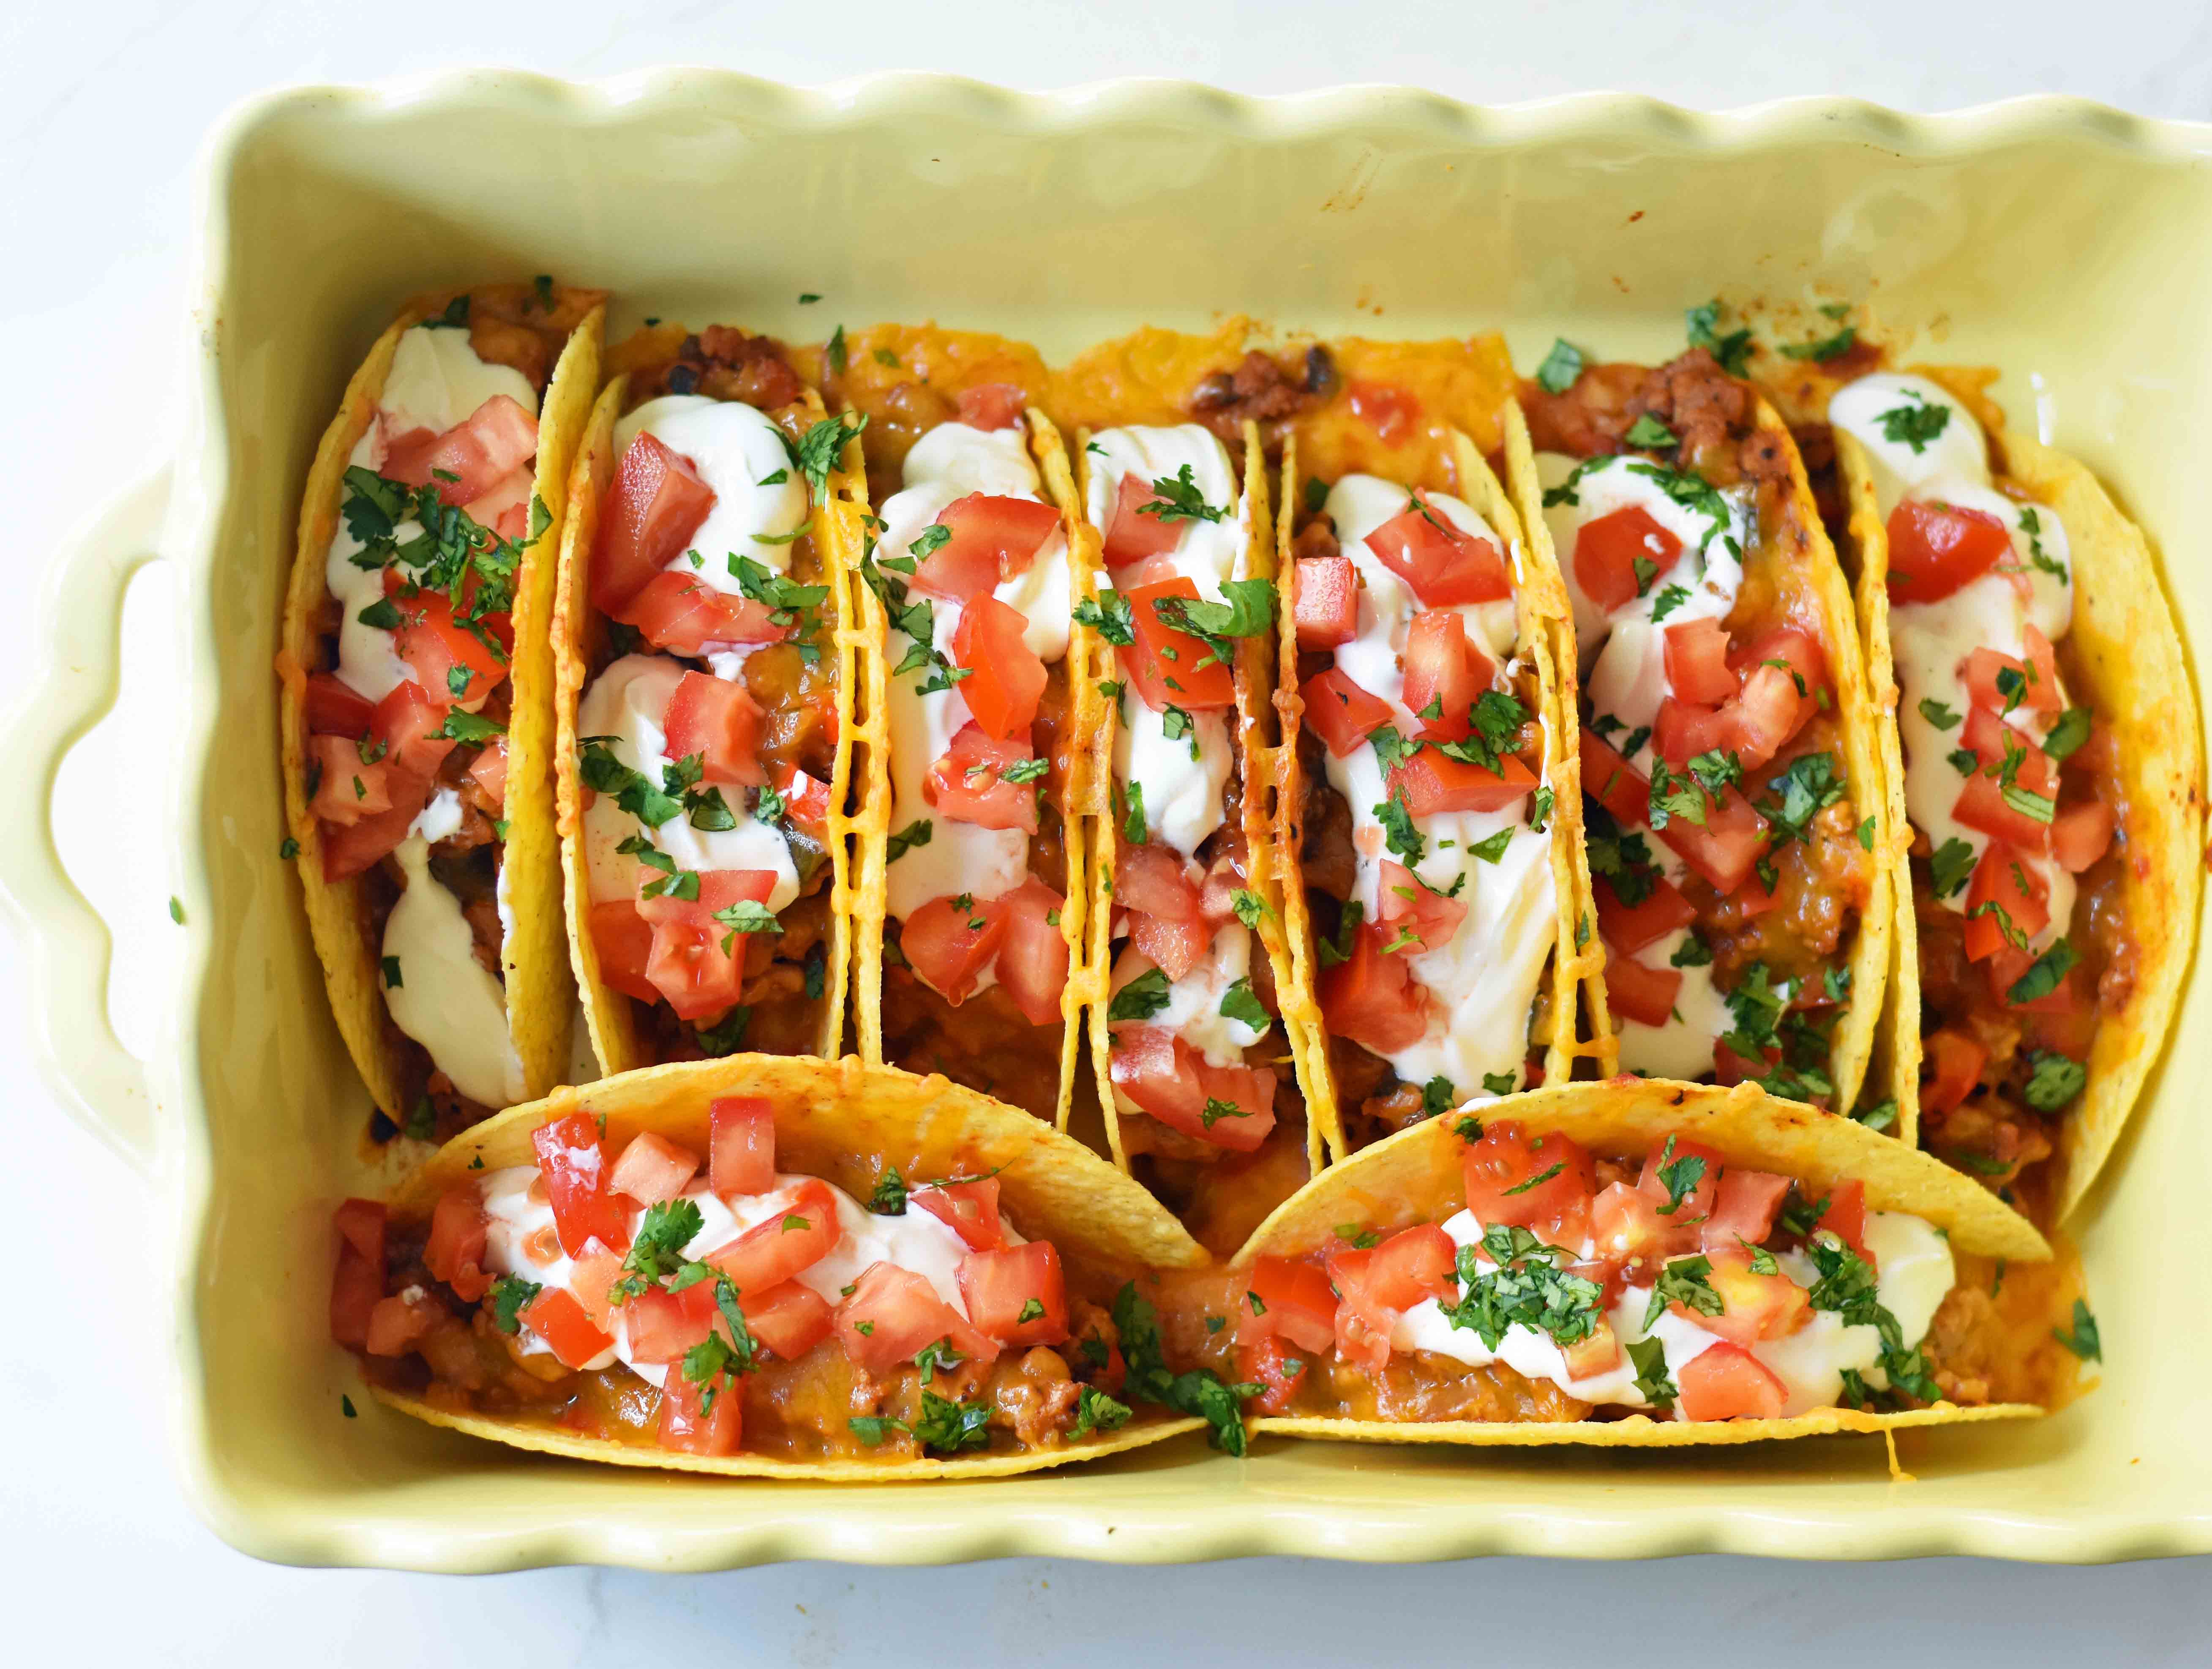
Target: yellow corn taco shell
873 781
577 635
1415 1177
1546 626
845 1122
1799 539
534 968
1262 757
2125 649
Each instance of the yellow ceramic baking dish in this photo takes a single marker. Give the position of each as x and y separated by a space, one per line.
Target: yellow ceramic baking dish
2069 243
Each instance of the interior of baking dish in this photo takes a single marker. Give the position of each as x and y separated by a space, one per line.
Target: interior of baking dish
2070 246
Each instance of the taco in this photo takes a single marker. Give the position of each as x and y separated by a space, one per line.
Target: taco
2052 774
1643 1264
416 706
971 892
1737 846
704 704
768 1267
1429 815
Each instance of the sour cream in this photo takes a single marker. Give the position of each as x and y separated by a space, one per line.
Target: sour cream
445 999
949 463
522 1218
1482 981
1930 641
1914 1272
760 497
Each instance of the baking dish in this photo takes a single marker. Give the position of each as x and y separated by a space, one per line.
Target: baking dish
2068 243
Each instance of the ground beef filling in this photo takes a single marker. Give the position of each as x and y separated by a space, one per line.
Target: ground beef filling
1262 390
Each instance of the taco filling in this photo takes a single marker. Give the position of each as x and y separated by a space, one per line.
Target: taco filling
1575 1285
1731 861
708 732
408 700
1195 1051
1427 862
2011 784
971 564
711 1305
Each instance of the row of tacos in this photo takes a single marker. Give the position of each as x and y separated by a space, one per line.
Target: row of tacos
1362 793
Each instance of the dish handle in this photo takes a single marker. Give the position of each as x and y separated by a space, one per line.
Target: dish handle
74 684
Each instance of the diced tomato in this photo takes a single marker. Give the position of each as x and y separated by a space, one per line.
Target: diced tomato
989 540
358 1280
652 1169
1608 550
949 945
805 802
1373 997
2080 835
740 1145
474 453
1955 1062
434 643
718 720
346 790
655 506
2013 882
1697 662
1017 1295
2065 1022
1006 677
349 850
407 722
971 1210
678 611
1033 956
1936 549
573 1164
2039 692
2003 970
333 709
592 1280
1982 806
1543 1184
1639 992
1844 1216
1379 1284
893 1314
662 1325
1760 722
1743 1207
1341 713
1130 535
1269 1364
1325 602
1598 1352
1175 947
1725 848
1444 564
1784 649
1430 782
1242 1099
1290 1298
1629 928
688 1425
556 1317
796 1238
1698 1201
1725 1381
1626 1228
1157 1071
969 784
1683 730
397 1322
1609 778
1404 905
1444 674
455 1250
1169 667
488 770
624 940
1386 408
1152 879
505 505
790 1320
989 405
698 962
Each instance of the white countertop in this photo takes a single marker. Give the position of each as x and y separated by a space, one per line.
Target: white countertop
108 103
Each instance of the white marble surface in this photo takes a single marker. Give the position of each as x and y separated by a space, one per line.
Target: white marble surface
104 105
